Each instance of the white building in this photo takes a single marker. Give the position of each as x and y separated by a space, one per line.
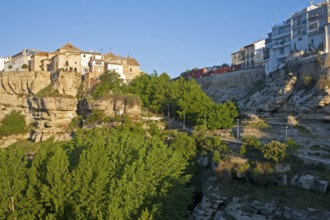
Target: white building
250 56
118 68
85 61
305 31
2 63
16 62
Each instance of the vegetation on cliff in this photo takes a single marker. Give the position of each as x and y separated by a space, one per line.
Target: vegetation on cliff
13 124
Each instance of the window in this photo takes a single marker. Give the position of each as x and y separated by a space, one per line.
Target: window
313 26
300 39
67 63
281 51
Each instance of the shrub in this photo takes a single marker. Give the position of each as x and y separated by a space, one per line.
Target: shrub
263 174
275 151
224 171
13 124
307 80
97 117
25 66
76 122
216 157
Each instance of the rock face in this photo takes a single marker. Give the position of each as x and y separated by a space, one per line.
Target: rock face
50 114
48 101
233 86
302 87
23 83
111 106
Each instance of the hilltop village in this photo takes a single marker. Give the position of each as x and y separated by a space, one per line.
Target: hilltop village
72 59
304 34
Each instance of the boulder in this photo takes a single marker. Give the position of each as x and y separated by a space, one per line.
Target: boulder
282 168
292 120
306 182
322 186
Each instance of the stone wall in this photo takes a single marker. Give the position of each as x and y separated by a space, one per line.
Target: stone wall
232 86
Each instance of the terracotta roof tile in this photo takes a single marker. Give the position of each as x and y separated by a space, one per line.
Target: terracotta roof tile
132 62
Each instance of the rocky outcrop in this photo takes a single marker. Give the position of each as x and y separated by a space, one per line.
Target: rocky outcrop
66 83
301 87
23 83
111 106
49 113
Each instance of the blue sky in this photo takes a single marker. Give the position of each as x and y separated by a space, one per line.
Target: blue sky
163 35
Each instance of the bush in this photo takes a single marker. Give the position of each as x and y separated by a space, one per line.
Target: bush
263 174
13 124
76 122
97 117
25 66
275 151
224 171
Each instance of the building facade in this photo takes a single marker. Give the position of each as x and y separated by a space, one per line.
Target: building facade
70 58
2 63
249 56
20 61
306 31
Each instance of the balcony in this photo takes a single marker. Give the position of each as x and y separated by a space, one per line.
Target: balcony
299 24
316 31
283 23
281 44
280 35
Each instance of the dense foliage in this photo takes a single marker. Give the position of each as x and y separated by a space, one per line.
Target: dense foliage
12 124
110 83
182 99
103 173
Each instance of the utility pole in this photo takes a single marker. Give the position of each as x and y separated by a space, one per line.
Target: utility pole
238 129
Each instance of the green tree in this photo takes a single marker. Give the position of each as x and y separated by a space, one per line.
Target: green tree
13 182
49 182
275 151
110 83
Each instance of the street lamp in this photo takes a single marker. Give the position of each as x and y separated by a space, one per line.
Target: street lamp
286 134
237 129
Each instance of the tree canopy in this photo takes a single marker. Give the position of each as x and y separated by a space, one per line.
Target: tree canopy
182 98
103 173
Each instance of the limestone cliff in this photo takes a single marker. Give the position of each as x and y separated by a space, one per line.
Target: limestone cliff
301 88
46 100
111 105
